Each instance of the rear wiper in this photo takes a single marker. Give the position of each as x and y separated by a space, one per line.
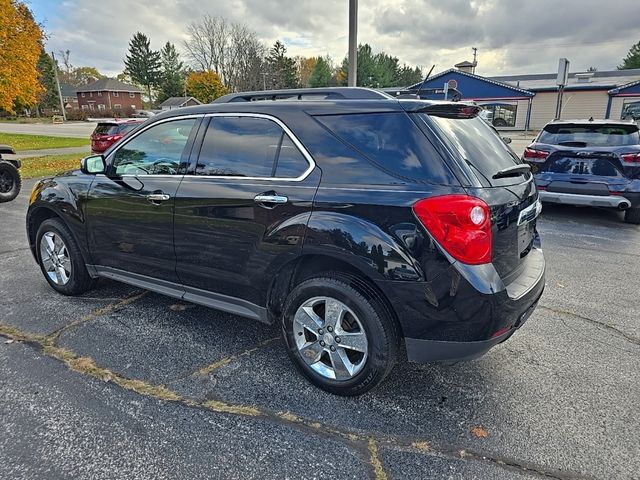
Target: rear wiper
513 171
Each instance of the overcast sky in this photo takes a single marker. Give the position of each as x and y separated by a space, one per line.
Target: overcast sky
512 36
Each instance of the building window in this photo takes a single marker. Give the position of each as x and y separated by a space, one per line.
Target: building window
631 110
500 114
99 94
133 106
85 107
83 94
115 94
117 106
101 107
91 94
132 95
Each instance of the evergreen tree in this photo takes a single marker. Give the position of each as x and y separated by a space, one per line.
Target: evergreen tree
47 78
282 69
172 81
321 74
632 59
142 64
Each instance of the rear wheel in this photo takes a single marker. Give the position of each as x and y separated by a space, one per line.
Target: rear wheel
10 181
632 215
60 259
342 341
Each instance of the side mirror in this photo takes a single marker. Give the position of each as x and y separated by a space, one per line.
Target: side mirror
93 165
506 140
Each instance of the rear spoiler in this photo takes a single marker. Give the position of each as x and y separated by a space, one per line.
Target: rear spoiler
6 149
443 109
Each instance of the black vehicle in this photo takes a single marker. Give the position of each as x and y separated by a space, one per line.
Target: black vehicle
588 162
10 181
353 219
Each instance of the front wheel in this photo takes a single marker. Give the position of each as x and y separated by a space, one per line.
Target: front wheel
342 340
60 259
10 181
632 215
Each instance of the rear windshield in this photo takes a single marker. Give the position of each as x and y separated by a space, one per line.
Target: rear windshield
106 129
392 142
127 127
590 135
479 145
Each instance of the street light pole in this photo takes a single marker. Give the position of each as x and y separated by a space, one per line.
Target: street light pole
353 43
55 70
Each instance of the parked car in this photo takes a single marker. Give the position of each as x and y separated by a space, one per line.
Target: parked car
143 114
588 162
107 133
10 180
354 224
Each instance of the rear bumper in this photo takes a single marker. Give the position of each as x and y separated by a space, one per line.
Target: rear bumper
612 201
462 316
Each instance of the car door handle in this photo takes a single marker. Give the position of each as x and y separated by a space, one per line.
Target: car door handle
277 199
158 197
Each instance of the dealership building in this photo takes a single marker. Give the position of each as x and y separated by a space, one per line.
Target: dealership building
528 102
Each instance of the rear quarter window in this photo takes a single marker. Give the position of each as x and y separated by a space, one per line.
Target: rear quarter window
393 143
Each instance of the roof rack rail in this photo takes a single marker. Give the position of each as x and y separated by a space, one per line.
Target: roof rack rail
330 93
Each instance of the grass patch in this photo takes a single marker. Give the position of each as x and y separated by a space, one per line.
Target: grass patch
36 167
21 142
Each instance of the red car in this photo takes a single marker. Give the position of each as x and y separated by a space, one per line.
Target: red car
108 133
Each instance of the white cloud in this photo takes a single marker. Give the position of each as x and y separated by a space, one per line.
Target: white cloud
511 36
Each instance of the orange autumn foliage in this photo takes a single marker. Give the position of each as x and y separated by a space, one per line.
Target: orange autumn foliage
20 46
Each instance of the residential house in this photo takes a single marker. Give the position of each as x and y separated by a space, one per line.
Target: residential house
179 102
69 97
109 94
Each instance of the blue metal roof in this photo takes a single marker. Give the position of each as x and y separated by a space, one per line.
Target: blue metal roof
631 89
475 87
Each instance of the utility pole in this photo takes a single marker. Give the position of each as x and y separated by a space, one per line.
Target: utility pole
55 70
353 43
475 62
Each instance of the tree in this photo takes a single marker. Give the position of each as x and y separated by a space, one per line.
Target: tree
142 64
47 77
84 75
407 76
231 50
592 69
305 67
632 59
205 86
172 78
281 69
20 48
322 73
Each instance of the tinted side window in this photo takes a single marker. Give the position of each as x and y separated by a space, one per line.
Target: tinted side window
291 163
393 142
239 147
156 151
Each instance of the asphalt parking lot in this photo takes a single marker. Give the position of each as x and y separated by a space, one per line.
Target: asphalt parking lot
121 383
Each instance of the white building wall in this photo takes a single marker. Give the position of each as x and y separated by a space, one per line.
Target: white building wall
576 104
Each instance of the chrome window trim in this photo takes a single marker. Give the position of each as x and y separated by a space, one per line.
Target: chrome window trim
294 139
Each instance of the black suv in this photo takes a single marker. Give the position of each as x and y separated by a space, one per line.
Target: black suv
368 226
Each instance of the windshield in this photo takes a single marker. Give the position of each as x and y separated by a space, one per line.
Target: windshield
590 135
479 145
106 129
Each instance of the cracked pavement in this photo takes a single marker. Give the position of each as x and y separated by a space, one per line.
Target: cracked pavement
122 383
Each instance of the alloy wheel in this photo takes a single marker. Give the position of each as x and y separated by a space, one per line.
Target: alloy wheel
330 338
55 258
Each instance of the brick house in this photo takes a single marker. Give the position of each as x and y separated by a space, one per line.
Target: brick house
69 97
109 94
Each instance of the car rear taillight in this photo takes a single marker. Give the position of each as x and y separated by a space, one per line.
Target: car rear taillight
461 224
113 138
533 155
631 158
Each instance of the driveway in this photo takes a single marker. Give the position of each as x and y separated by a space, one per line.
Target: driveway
122 383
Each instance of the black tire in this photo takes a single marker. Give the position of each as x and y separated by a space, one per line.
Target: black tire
10 181
499 122
79 281
632 215
381 331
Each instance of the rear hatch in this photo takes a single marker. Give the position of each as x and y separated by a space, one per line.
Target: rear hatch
494 174
107 133
585 158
